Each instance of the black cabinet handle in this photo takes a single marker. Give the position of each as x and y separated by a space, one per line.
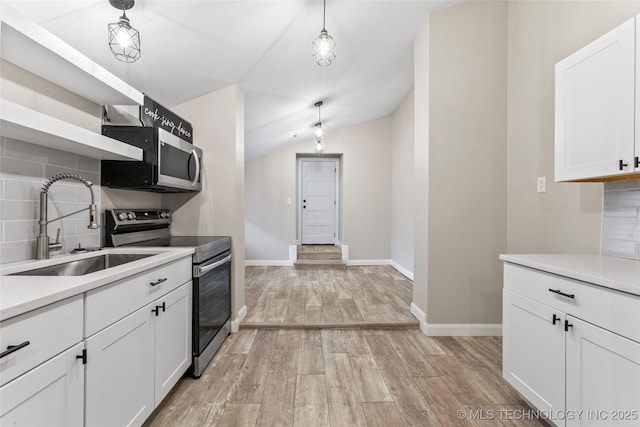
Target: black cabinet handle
567 325
163 307
637 161
557 291
155 310
83 356
13 348
622 164
158 282
304 207
555 319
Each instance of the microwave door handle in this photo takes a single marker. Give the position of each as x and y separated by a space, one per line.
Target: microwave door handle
206 268
197 174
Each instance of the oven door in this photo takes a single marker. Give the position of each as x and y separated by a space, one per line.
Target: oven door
211 299
179 162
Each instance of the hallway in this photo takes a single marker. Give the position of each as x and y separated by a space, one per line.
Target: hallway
372 296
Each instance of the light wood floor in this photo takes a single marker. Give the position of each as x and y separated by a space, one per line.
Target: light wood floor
356 297
350 377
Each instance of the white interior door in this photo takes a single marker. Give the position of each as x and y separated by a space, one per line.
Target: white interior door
318 198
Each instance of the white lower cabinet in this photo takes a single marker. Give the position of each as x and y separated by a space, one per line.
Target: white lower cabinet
577 372
119 386
533 362
51 394
603 376
133 363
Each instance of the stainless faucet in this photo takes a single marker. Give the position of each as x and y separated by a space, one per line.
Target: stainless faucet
43 246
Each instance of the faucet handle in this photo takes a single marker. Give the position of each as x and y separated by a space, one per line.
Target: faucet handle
56 246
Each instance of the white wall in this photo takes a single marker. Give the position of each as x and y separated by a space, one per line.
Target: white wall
366 194
402 186
218 123
567 218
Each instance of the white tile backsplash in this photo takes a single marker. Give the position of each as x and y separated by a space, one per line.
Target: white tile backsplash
24 168
621 219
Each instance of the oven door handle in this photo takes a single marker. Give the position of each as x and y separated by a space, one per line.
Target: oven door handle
202 270
197 174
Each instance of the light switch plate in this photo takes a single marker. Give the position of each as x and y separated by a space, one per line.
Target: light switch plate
289 200
542 184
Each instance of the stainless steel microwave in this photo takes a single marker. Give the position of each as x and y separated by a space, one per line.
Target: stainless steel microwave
169 164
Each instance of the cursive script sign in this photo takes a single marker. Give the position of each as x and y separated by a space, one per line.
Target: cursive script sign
154 114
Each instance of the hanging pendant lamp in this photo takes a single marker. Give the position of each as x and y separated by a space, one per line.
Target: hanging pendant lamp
319 132
324 47
124 40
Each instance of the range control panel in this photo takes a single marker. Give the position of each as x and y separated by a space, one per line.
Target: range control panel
138 216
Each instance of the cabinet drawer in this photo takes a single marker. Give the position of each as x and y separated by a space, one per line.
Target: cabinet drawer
108 304
48 330
616 311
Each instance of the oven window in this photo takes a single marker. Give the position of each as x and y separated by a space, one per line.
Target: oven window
177 163
213 304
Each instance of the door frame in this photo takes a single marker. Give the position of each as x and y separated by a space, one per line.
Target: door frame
336 211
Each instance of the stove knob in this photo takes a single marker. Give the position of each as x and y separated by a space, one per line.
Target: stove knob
163 214
131 215
168 214
122 216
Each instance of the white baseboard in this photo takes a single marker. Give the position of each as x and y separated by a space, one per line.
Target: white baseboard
355 262
462 329
454 329
268 263
345 253
421 316
293 253
235 323
406 273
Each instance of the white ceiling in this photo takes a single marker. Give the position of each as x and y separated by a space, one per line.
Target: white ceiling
190 48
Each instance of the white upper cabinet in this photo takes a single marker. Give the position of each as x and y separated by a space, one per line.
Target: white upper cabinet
595 108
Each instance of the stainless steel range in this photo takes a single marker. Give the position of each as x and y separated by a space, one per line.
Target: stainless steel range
211 272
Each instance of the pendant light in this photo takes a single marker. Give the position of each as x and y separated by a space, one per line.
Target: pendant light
124 40
324 47
319 132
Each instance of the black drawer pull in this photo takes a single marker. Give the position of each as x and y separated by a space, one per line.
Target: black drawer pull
158 282
163 307
555 319
13 348
567 325
622 165
155 310
557 291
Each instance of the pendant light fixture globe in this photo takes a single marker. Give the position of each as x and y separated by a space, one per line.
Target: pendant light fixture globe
324 46
124 40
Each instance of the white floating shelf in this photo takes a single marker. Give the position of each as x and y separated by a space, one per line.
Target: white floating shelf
24 124
31 47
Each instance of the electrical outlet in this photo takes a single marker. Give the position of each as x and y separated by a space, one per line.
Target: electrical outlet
542 184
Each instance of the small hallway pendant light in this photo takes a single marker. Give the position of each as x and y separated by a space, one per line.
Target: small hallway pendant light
324 47
124 40
319 132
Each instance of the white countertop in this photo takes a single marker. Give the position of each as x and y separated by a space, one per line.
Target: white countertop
610 272
19 294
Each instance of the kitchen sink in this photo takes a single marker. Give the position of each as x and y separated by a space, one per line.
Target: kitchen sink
84 266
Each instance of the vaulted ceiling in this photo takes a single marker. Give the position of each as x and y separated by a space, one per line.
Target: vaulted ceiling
190 48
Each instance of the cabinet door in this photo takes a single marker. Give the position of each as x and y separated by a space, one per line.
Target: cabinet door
119 372
603 376
52 394
595 115
173 339
533 351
